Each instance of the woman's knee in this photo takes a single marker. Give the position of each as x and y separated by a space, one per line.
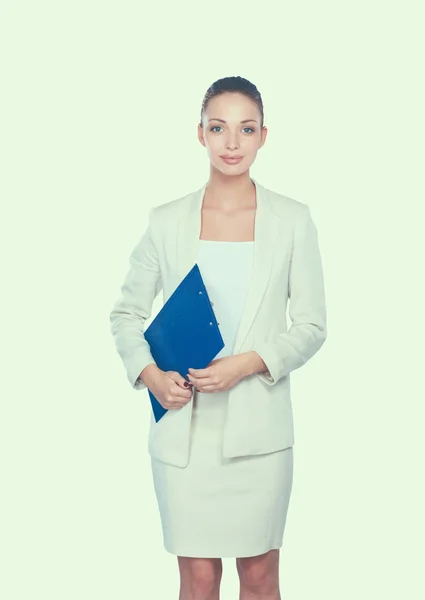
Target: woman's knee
200 574
259 572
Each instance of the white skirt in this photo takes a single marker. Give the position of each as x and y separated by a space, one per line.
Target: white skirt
219 507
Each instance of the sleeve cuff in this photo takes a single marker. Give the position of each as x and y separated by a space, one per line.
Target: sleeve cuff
268 376
134 370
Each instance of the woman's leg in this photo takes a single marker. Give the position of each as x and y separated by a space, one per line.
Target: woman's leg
200 578
259 576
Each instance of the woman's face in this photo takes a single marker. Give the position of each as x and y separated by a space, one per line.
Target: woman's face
232 127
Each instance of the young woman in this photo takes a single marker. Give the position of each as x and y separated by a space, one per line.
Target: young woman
222 456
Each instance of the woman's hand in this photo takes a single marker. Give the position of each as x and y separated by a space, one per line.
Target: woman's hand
170 389
221 374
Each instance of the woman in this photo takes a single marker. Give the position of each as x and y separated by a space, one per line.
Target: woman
222 456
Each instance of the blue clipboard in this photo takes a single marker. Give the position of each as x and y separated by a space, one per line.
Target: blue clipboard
185 333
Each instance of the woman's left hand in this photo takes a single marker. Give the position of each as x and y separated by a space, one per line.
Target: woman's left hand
221 374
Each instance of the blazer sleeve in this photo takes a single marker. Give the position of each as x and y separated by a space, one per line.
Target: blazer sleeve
286 351
140 287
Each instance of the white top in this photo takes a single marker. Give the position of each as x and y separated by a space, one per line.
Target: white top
226 268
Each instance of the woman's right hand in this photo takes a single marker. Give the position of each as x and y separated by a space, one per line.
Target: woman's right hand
169 388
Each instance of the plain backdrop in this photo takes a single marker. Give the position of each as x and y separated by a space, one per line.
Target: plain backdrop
99 108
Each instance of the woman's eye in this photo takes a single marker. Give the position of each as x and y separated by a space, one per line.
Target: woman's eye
218 127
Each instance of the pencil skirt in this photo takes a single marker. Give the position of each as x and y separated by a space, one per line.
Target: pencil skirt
218 507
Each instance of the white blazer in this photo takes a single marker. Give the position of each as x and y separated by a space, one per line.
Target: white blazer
287 265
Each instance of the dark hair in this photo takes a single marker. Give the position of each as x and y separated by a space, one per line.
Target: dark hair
233 84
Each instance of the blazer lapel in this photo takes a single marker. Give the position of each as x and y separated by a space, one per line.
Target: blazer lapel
265 249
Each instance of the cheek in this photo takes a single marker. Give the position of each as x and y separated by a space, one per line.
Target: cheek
214 145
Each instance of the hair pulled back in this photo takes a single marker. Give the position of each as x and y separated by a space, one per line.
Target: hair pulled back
234 84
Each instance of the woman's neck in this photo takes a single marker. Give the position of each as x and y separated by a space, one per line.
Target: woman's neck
229 194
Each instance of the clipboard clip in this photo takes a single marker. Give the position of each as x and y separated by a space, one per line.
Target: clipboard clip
212 306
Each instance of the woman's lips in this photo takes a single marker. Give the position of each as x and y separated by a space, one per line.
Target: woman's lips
232 161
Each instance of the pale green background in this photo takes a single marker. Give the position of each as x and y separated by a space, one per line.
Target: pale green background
99 107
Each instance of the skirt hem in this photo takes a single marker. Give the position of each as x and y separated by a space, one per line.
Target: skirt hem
225 554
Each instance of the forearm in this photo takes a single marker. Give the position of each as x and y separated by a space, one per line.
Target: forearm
148 374
252 363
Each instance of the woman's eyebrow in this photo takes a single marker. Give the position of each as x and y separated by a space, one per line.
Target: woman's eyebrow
222 121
